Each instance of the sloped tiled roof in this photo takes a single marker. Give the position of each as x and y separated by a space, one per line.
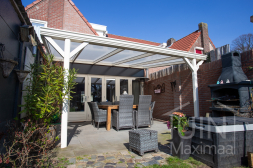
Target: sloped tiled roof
74 6
186 42
212 43
132 39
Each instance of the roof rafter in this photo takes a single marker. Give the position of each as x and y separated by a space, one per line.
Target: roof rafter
116 51
153 61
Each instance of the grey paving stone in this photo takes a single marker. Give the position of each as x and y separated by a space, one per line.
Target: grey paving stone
111 164
158 158
80 166
130 164
72 160
84 160
152 162
122 160
138 157
90 163
93 156
110 157
98 164
127 156
101 158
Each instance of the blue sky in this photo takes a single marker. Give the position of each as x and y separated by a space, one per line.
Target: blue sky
159 20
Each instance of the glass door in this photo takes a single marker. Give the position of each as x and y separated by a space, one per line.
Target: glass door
110 92
78 104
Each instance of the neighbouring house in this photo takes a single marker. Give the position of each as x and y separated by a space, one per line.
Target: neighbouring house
15 45
197 42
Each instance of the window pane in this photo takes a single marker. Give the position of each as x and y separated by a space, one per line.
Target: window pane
77 101
96 89
123 86
110 90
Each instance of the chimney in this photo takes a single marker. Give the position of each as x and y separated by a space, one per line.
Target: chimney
203 27
170 42
251 18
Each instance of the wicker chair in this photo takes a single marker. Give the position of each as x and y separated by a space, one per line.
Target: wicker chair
105 103
99 114
124 117
92 113
142 116
116 103
152 105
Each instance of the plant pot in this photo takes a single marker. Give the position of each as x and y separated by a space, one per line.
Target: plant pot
22 75
7 66
181 145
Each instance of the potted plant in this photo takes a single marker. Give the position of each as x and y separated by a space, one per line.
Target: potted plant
181 136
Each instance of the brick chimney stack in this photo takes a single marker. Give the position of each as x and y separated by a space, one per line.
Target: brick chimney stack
170 42
203 27
251 18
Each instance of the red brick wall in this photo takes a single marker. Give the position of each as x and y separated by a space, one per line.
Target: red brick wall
60 14
40 11
198 43
208 73
72 20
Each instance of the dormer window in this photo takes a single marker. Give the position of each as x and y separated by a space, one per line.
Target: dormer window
199 50
37 24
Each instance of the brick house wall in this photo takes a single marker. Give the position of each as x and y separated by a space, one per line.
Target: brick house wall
60 14
171 101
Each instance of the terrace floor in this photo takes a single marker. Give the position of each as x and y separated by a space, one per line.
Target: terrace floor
84 139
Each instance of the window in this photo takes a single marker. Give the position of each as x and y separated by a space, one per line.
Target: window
37 24
198 51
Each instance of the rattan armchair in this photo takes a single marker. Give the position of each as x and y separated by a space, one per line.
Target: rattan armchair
142 115
152 105
123 118
99 114
92 113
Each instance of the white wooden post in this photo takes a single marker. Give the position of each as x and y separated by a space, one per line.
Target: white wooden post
65 105
194 68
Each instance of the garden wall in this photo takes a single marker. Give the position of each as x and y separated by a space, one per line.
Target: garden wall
181 97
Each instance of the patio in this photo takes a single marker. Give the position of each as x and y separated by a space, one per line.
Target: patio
84 139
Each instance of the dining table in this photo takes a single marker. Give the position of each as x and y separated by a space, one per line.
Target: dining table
109 109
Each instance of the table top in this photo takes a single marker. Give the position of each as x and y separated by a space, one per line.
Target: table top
114 106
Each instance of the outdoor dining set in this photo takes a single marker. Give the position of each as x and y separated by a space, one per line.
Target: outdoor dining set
123 113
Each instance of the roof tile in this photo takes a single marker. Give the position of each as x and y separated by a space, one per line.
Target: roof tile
186 42
132 39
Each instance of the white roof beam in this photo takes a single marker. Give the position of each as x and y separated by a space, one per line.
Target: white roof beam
164 64
77 49
153 61
108 55
56 47
133 58
117 43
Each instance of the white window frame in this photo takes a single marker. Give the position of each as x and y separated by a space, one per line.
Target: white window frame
39 21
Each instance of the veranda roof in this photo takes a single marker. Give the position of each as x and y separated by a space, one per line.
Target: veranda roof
91 49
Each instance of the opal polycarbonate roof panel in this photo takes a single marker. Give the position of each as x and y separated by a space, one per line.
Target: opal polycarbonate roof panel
60 43
150 58
93 52
53 51
122 55
164 62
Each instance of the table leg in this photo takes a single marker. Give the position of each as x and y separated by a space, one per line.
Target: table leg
108 123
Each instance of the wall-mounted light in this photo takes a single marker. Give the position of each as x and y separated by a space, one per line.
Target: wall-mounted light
7 65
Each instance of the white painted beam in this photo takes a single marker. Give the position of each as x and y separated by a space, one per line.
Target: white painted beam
56 47
164 64
133 58
117 43
187 61
65 105
199 63
108 55
153 61
77 49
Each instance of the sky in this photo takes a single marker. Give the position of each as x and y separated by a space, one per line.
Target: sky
159 20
